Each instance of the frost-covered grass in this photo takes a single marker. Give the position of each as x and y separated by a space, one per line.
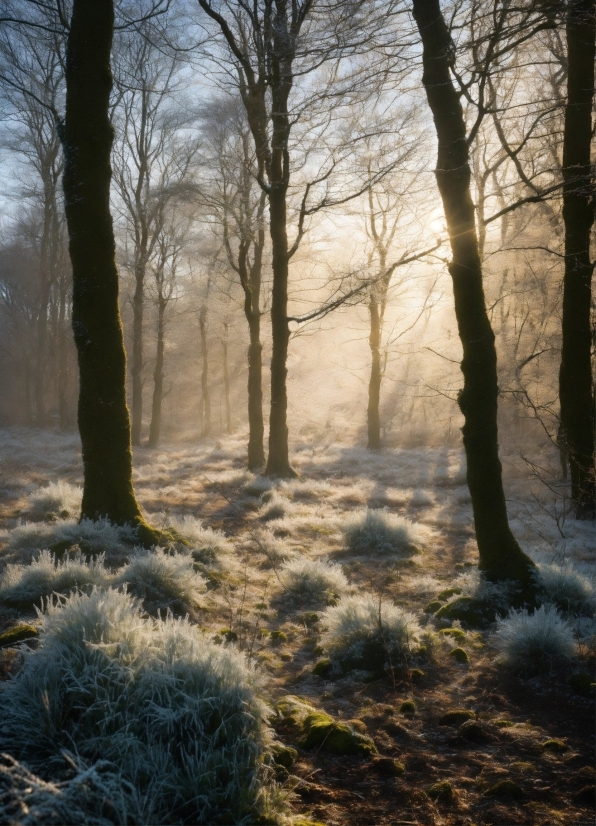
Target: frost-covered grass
314 579
276 507
568 589
379 532
363 633
163 580
207 546
178 719
307 490
58 500
94 537
258 485
27 585
535 642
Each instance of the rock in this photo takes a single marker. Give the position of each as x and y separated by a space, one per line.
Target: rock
582 683
456 633
505 788
18 633
388 767
433 607
322 731
554 745
283 755
442 791
459 655
474 613
323 668
407 707
456 716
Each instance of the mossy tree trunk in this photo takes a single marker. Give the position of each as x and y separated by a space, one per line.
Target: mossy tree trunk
500 556
87 136
575 377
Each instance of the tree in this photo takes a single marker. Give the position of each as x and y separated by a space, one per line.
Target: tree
500 556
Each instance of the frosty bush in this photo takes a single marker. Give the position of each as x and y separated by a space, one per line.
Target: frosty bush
535 642
361 635
178 717
93 536
27 585
567 589
208 547
314 579
162 580
57 500
376 531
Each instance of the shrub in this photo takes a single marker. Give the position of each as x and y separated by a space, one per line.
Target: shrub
207 546
27 585
93 536
314 579
162 580
376 531
58 500
362 635
177 717
567 589
534 642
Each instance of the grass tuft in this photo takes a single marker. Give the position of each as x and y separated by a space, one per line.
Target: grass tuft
58 500
163 581
535 642
379 532
313 579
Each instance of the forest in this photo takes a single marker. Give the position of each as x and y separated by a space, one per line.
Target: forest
297 421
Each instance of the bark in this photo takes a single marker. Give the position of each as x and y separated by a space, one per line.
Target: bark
137 354
226 380
205 395
500 556
155 427
374 385
87 136
575 377
63 402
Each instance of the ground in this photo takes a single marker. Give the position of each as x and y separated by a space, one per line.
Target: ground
248 602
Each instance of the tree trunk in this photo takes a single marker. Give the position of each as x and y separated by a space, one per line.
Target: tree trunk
226 380
87 135
374 385
205 396
42 312
501 558
575 377
155 426
137 354
63 405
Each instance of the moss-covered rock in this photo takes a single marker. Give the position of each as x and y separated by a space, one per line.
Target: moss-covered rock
228 635
433 606
555 745
501 723
505 788
395 729
388 767
323 732
417 674
459 655
454 633
582 683
283 755
293 710
448 592
277 637
472 730
407 707
441 792
18 633
323 668
472 612
456 716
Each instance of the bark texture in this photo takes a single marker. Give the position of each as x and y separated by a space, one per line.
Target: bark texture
575 377
501 558
87 136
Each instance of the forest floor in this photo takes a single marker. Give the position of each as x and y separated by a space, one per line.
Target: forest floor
426 485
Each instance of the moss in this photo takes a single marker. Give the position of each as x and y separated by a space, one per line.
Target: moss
433 607
395 729
459 655
388 767
318 650
442 791
322 731
285 658
18 633
229 635
502 723
262 606
474 613
505 788
448 592
407 707
278 637
582 683
283 755
554 745
456 633
357 725
417 674
323 668
456 716
472 730
305 822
